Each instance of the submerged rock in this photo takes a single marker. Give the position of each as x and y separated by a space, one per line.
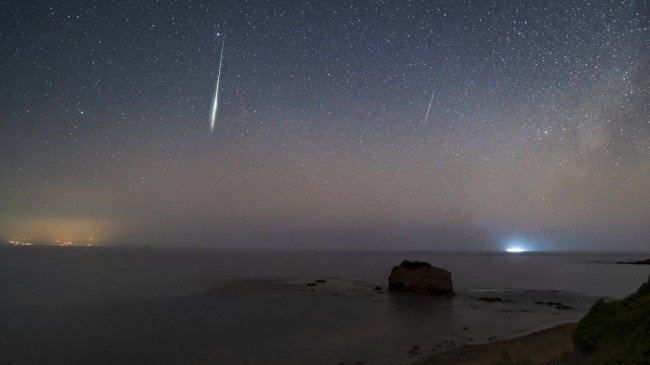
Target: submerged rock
494 300
639 262
564 306
422 278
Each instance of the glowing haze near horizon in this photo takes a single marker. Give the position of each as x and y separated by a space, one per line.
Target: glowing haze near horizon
538 132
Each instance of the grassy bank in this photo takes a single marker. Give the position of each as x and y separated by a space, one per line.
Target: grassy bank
616 332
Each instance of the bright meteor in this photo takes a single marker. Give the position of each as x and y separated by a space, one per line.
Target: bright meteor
215 102
429 109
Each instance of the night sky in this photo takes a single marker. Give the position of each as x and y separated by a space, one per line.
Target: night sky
538 131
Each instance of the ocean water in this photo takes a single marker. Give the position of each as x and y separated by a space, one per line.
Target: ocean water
108 305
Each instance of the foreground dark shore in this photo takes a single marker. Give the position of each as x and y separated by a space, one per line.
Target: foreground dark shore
538 347
613 332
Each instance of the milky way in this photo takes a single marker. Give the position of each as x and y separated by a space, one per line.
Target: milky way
539 130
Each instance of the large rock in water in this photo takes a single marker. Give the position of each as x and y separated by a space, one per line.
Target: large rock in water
422 278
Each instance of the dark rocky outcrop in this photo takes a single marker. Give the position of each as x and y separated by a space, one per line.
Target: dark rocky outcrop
638 262
495 300
420 277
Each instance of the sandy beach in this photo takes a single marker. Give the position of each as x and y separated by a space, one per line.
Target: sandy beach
538 347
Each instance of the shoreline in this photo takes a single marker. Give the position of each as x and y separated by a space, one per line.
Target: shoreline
540 346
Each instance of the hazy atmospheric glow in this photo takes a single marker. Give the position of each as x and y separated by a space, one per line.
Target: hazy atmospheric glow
536 124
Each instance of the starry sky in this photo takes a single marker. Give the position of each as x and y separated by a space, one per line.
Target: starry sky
538 126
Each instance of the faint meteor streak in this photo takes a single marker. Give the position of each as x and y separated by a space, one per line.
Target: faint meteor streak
429 109
215 102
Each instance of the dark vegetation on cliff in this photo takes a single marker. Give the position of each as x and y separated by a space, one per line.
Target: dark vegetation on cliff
616 332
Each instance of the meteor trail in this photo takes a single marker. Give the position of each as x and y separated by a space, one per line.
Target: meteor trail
215 103
429 109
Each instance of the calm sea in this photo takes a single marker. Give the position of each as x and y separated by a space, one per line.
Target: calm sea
106 305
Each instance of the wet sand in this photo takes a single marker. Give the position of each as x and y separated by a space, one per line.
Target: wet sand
538 347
